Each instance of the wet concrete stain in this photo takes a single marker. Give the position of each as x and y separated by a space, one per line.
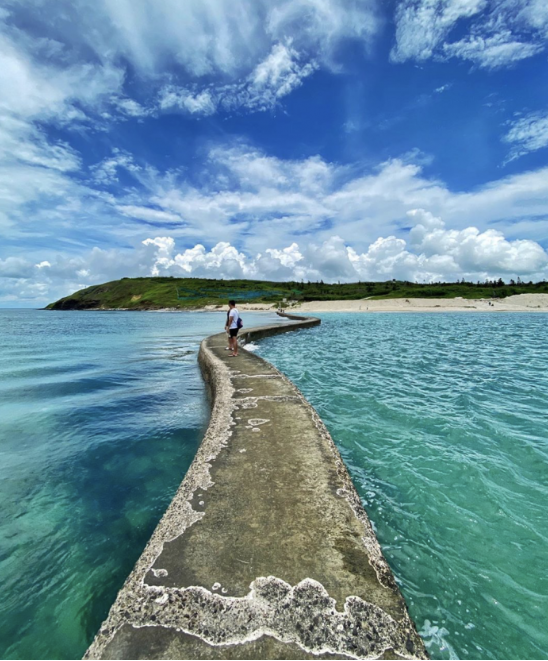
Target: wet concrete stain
265 550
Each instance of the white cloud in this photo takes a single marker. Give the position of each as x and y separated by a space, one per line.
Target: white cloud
222 258
68 68
106 172
162 248
130 107
275 77
431 252
41 88
23 143
535 14
494 51
202 37
280 219
34 172
15 267
215 37
288 257
258 201
443 88
201 56
204 102
421 25
320 26
148 214
473 251
497 34
528 134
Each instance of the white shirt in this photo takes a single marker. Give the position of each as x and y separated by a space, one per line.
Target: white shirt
234 316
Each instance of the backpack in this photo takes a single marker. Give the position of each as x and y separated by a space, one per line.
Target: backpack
239 323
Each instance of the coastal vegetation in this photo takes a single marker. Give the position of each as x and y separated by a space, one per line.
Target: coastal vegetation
190 293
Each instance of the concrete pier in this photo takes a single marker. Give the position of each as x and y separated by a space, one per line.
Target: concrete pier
265 551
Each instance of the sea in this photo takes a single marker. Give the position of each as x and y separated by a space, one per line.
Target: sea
101 414
442 421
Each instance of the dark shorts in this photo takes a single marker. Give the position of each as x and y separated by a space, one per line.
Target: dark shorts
233 332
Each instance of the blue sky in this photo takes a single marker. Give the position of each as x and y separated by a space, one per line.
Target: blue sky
288 139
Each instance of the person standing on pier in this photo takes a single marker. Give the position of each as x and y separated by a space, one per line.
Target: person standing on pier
232 327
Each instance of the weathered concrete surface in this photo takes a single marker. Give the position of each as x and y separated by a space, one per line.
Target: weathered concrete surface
265 551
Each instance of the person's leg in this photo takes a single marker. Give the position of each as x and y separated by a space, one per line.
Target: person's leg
233 342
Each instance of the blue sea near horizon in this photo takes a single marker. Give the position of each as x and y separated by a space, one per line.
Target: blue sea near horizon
442 421
101 414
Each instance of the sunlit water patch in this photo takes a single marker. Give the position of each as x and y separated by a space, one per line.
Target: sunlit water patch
442 421
101 414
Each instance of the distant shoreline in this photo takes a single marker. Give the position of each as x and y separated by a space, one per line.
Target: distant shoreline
517 303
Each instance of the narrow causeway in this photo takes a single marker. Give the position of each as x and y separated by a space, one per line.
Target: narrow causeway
265 551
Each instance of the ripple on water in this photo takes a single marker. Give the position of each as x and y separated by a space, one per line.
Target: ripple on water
100 416
441 420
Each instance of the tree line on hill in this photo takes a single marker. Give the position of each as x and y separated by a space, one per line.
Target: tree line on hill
171 292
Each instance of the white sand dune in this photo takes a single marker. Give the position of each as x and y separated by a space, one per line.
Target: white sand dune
519 303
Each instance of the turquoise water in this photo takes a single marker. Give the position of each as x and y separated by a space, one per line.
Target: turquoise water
442 420
100 416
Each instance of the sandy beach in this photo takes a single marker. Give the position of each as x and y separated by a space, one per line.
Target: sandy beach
519 303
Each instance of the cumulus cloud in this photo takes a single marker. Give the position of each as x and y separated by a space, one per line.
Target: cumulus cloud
496 34
431 252
472 251
15 267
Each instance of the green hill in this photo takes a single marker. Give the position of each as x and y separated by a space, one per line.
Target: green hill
192 293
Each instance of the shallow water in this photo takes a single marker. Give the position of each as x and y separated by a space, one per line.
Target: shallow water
442 421
101 414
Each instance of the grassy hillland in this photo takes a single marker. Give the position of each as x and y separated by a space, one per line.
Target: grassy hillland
192 293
